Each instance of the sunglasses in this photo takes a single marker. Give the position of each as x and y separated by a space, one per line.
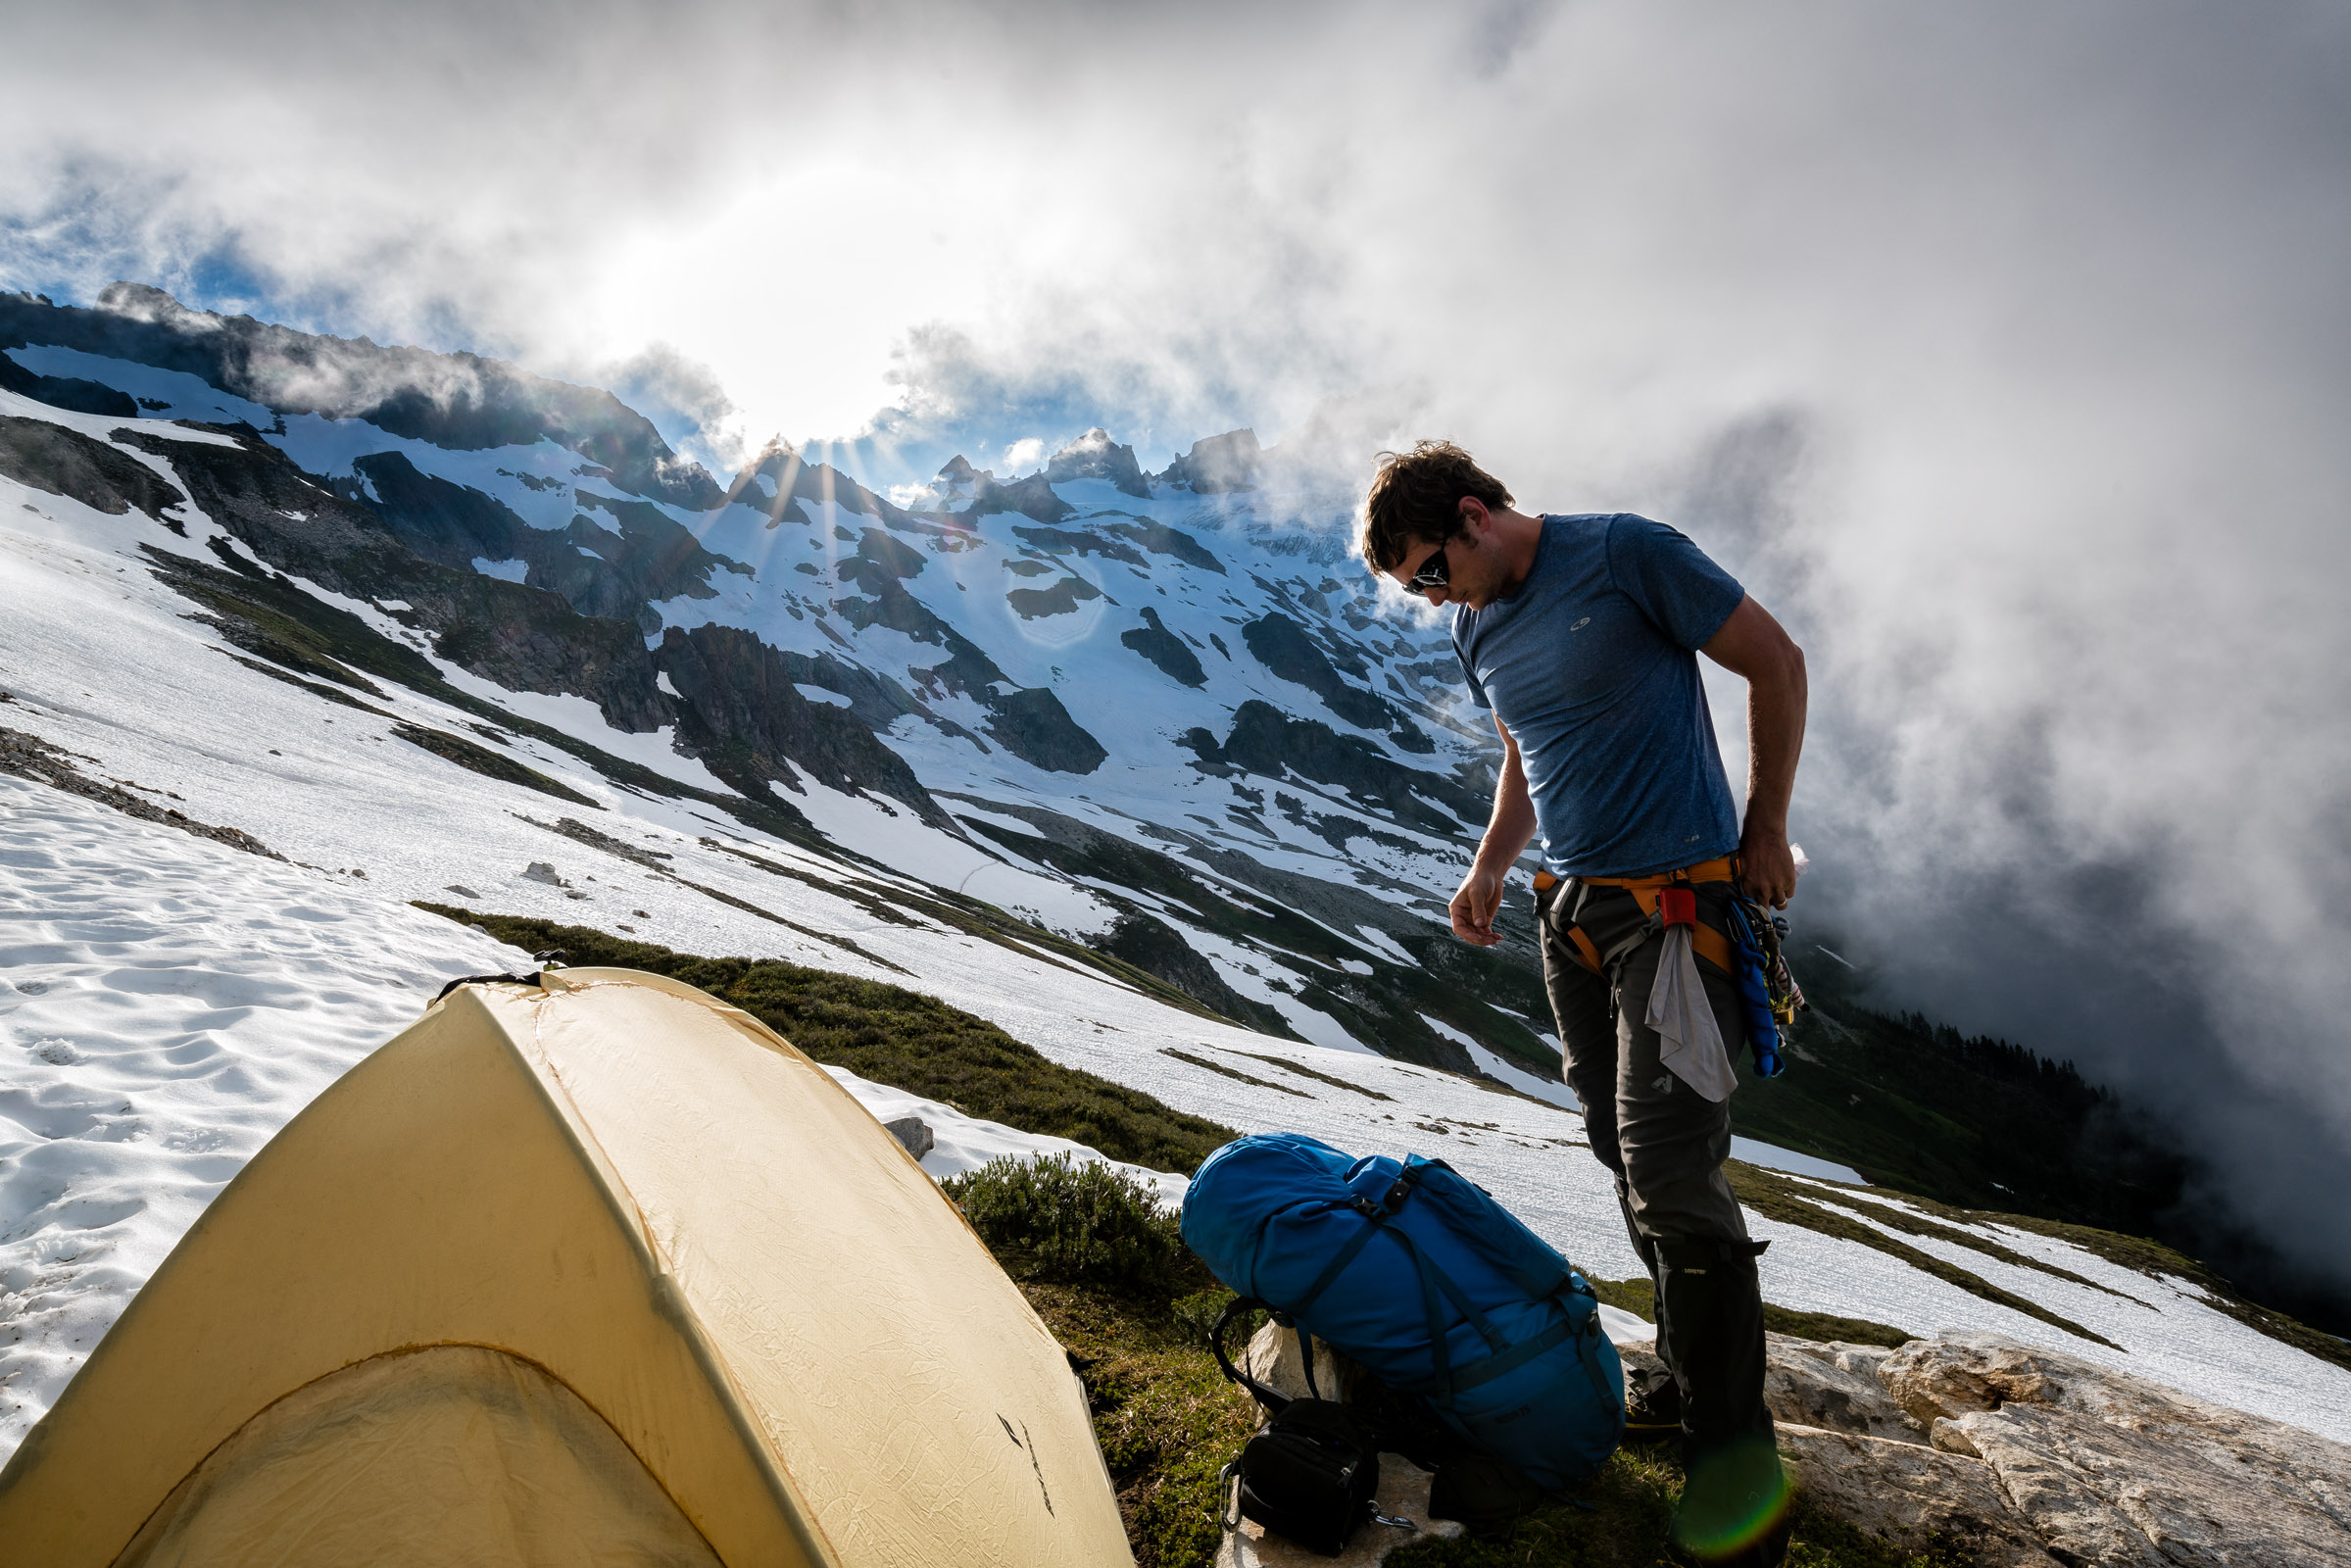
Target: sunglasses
1435 572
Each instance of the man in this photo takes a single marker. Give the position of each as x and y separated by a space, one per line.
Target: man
1581 634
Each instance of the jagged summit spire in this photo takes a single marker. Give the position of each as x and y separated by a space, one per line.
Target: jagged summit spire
1095 455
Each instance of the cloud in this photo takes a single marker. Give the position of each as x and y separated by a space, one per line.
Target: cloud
686 401
2000 348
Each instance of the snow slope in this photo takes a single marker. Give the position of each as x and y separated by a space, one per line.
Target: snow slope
165 1006
171 1000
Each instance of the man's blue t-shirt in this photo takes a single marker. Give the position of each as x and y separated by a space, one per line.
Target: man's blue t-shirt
1592 664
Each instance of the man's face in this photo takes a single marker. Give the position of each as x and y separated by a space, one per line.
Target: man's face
1472 569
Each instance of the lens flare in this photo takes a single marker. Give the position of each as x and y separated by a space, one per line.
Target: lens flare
1735 1496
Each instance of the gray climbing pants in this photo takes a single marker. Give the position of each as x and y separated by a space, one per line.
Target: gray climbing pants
1664 1142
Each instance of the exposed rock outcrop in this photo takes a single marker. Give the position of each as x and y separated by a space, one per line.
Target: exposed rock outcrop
1163 648
1032 497
1078 542
1032 724
1062 599
1283 646
2025 1457
29 757
1095 455
2111 1468
616 567
811 492
1161 540
66 463
1266 741
1911 1497
1156 948
1219 463
65 391
459 401
525 639
749 723
1835 1385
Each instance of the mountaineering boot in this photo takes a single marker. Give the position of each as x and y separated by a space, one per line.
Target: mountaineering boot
1734 1505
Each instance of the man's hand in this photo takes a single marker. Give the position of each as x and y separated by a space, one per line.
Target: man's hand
1476 905
1513 824
1753 644
1767 867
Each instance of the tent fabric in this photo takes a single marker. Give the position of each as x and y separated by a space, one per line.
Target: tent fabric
382 1463
663 1210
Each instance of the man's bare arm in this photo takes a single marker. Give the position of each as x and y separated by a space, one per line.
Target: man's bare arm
1508 834
1753 644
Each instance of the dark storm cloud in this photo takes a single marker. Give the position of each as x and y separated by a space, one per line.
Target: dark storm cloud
2002 348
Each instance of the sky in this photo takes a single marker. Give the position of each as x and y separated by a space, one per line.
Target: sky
2000 349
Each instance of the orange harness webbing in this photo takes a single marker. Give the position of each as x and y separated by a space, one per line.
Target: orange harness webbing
1707 943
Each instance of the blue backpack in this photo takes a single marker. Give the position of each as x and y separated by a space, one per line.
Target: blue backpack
1428 1283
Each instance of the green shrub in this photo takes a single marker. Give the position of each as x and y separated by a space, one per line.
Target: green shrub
1080 1221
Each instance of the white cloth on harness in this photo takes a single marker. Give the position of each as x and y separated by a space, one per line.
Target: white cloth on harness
1689 1040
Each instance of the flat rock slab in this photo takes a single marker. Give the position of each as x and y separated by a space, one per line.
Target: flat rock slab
1835 1387
2112 1469
1911 1497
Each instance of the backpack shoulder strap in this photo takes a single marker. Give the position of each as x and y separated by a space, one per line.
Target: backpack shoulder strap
1238 1306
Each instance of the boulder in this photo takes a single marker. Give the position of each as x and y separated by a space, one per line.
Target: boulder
1834 1386
1272 1356
1911 1497
913 1133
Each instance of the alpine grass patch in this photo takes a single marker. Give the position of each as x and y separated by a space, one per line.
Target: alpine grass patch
1638 1297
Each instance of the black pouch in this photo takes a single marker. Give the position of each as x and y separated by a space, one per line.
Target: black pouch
1485 1493
1309 1475
1310 1471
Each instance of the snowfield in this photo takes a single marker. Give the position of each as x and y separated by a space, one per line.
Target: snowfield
166 1002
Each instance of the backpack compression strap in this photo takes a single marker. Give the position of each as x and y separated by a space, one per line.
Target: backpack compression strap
1435 1283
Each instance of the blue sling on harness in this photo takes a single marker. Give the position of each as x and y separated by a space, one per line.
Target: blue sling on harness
1751 975
1422 1278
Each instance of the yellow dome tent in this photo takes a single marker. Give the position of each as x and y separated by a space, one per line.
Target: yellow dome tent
593 1271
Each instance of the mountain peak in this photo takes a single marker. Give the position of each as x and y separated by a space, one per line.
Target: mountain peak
1095 455
1218 464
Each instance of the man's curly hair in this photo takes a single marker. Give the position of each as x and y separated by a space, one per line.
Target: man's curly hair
1416 496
